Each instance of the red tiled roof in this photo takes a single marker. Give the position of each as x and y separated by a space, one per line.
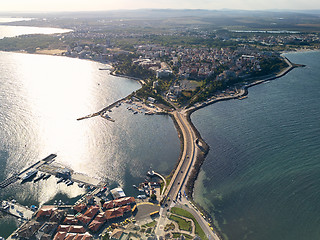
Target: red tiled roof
113 213
60 236
63 228
45 211
56 215
123 201
91 211
100 218
80 207
78 237
77 229
70 221
85 236
126 208
70 236
95 225
84 219
108 205
71 229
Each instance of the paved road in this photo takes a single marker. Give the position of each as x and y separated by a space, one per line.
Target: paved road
185 204
180 177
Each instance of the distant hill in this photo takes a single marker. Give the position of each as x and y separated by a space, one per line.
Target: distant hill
300 20
170 13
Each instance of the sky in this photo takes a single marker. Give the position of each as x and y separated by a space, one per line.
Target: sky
101 5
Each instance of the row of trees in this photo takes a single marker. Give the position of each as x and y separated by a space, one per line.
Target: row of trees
30 43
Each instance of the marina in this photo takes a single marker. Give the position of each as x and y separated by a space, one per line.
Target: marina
135 106
43 170
28 172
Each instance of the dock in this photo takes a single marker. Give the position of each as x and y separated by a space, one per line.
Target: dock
47 160
45 166
16 210
9 180
102 111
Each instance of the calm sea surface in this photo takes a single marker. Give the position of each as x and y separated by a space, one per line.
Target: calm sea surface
40 99
261 179
13 31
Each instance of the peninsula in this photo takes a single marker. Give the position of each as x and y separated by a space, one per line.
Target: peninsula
181 68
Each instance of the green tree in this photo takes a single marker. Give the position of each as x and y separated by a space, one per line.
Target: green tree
153 197
106 237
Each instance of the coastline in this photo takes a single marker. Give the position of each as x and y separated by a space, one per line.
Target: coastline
126 76
244 89
201 158
242 93
275 96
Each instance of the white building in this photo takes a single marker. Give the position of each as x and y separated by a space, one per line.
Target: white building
117 193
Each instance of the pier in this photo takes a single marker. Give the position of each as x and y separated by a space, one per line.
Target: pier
8 181
36 165
103 111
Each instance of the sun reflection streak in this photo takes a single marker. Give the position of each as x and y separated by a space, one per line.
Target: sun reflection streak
58 99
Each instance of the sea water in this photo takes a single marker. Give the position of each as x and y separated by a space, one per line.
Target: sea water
261 178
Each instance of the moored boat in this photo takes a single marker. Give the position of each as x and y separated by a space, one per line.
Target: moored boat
46 176
39 177
29 175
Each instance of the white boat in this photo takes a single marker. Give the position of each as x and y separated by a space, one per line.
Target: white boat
60 180
30 175
39 177
69 182
46 176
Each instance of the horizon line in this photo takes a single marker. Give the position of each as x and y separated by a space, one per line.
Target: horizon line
159 9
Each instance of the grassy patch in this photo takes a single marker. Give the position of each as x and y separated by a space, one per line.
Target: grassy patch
168 179
183 224
177 235
161 186
150 224
184 213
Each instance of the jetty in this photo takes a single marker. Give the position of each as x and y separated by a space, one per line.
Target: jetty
36 165
102 111
8 181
